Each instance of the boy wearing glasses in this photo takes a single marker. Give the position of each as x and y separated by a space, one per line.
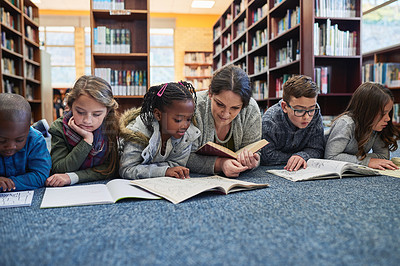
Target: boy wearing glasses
293 126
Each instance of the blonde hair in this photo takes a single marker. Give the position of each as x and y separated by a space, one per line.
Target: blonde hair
101 91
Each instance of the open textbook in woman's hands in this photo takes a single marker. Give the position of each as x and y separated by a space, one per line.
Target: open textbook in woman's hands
214 149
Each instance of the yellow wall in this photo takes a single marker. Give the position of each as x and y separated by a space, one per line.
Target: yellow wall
192 33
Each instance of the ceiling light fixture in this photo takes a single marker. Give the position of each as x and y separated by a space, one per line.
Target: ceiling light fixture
202 4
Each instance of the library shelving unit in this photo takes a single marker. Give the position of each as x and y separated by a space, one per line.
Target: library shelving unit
317 38
198 68
383 66
20 53
120 48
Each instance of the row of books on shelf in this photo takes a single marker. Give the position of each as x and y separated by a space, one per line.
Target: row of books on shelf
124 82
228 19
241 49
322 78
228 56
237 8
396 113
216 32
290 20
279 84
218 48
259 38
289 53
198 71
259 13
29 52
227 40
6 42
8 19
30 71
329 40
114 41
260 89
30 33
108 4
198 58
385 73
28 10
241 27
260 64
337 8
10 87
8 66
201 84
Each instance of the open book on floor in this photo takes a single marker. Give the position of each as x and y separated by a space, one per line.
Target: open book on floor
323 169
214 149
16 199
111 192
178 190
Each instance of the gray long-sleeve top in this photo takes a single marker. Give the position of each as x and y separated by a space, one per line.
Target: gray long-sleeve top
341 144
246 128
286 140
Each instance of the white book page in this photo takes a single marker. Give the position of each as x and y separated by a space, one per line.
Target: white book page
328 165
76 196
394 173
177 190
16 199
303 174
122 188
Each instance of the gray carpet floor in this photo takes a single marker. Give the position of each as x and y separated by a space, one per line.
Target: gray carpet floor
350 221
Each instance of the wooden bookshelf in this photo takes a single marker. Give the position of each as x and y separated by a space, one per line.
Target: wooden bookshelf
20 53
120 48
275 50
198 68
379 58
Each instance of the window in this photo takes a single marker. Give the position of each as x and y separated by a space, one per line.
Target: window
161 55
88 61
380 24
59 42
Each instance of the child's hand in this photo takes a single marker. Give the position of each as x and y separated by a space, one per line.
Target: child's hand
178 172
382 164
232 168
86 135
248 158
58 180
295 162
6 184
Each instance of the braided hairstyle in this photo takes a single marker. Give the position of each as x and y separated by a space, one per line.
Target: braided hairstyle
163 95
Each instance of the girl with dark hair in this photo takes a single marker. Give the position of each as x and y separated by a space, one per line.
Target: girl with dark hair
366 124
84 141
227 115
158 137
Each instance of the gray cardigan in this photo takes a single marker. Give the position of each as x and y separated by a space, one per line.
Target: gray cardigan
246 129
342 146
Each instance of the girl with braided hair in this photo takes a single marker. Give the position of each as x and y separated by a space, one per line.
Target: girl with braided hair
157 138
